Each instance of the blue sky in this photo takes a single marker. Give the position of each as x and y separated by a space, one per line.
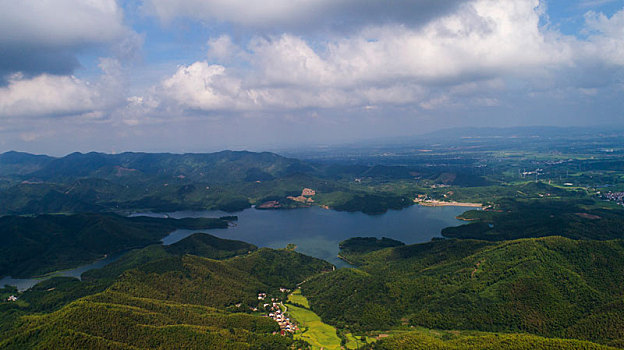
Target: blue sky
205 75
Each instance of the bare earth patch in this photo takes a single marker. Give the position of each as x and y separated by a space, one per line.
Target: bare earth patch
588 216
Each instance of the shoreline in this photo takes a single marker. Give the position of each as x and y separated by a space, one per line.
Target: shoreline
464 219
343 258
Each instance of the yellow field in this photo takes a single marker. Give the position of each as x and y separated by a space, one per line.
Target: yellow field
320 335
354 341
296 298
313 330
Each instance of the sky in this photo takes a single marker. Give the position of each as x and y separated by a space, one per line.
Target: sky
207 75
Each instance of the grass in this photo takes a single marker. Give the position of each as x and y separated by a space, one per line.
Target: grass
298 299
355 341
320 335
313 330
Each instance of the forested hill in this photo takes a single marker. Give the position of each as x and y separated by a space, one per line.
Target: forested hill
163 182
220 167
552 286
20 163
45 243
165 298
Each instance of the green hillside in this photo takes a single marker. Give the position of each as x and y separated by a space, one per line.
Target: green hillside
219 167
433 340
515 218
45 243
172 302
117 321
52 294
549 286
200 244
209 246
20 163
162 182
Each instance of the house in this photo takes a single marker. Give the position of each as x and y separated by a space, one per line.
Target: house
308 192
12 298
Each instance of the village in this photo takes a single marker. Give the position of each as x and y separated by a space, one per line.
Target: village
276 310
617 197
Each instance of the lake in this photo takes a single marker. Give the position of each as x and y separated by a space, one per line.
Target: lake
315 231
23 284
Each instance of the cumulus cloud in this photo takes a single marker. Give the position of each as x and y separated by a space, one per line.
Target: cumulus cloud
43 36
316 67
205 87
470 56
202 86
383 64
606 36
46 95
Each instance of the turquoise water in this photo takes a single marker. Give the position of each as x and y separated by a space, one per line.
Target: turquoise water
315 231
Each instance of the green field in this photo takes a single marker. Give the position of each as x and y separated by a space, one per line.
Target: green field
313 330
298 299
354 341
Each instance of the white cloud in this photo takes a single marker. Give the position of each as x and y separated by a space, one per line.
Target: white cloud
473 54
202 86
316 66
47 94
60 22
222 48
606 37
289 60
378 65
44 95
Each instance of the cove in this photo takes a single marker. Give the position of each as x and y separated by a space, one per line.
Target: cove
23 284
317 232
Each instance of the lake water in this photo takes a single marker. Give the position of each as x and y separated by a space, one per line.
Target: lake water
23 284
315 231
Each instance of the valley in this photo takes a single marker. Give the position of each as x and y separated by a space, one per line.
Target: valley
387 250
